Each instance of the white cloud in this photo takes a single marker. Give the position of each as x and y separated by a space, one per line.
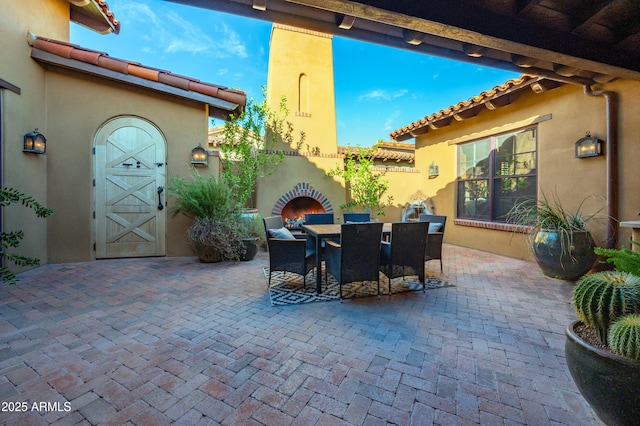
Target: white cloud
184 36
382 94
170 32
388 123
232 43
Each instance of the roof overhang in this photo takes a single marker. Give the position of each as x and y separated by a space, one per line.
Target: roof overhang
565 41
218 108
498 97
95 15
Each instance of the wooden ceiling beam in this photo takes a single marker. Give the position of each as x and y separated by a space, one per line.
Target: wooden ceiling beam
488 29
586 12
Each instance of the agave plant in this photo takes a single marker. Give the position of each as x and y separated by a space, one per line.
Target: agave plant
549 214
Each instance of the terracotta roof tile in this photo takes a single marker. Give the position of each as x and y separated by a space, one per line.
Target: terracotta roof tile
94 14
385 154
103 60
483 97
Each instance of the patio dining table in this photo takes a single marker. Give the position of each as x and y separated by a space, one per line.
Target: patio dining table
327 231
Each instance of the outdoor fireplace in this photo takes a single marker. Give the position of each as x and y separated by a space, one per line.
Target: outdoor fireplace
294 211
302 199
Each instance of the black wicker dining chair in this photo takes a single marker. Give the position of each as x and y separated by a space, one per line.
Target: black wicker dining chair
286 252
356 217
318 218
435 237
404 254
357 257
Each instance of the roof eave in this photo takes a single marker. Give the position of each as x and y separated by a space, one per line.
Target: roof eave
94 15
218 108
470 108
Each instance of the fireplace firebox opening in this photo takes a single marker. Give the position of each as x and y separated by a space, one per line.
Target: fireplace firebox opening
294 211
297 202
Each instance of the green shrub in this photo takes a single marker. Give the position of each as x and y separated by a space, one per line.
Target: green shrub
222 235
623 260
253 226
200 197
624 337
602 298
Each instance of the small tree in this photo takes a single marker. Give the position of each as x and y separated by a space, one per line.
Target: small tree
367 186
249 146
12 239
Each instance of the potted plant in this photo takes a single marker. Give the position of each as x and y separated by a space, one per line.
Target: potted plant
215 232
367 185
253 236
602 348
560 239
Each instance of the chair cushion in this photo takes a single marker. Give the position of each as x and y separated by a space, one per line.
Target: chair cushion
435 227
283 233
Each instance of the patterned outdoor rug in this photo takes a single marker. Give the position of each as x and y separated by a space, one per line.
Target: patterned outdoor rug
287 289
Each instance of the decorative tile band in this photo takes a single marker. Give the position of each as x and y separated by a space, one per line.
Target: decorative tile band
301 30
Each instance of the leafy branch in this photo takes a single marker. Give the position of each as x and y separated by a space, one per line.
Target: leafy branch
12 239
367 186
249 145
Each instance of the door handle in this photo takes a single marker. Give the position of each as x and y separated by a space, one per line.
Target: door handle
160 206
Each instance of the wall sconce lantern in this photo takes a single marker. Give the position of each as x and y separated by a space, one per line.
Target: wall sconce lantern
433 171
588 146
199 155
35 142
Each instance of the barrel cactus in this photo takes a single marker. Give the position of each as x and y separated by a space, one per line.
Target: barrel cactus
602 298
624 337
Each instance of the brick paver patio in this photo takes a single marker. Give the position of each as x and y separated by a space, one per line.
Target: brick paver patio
172 341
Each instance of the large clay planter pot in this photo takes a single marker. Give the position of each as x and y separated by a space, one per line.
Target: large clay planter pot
607 381
208 254
250 247
559 261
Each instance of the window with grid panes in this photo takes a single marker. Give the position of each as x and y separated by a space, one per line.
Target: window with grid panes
495 173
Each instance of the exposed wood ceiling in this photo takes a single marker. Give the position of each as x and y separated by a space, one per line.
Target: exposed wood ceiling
576 41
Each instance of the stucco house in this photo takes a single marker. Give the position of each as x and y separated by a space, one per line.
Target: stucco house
115 130
522 136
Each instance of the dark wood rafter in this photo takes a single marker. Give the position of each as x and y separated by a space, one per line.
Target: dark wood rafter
523 7
345 22
439 123
586 13
599 39
466 113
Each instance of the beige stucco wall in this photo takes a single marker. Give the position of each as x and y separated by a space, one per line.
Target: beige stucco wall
71 139
297 169
23 112
294 52
572 114
403 185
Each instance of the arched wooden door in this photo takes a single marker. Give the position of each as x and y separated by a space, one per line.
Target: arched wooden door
130 170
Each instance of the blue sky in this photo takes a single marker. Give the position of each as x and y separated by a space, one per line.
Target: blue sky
378 89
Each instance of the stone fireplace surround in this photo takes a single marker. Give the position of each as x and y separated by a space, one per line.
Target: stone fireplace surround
303 198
